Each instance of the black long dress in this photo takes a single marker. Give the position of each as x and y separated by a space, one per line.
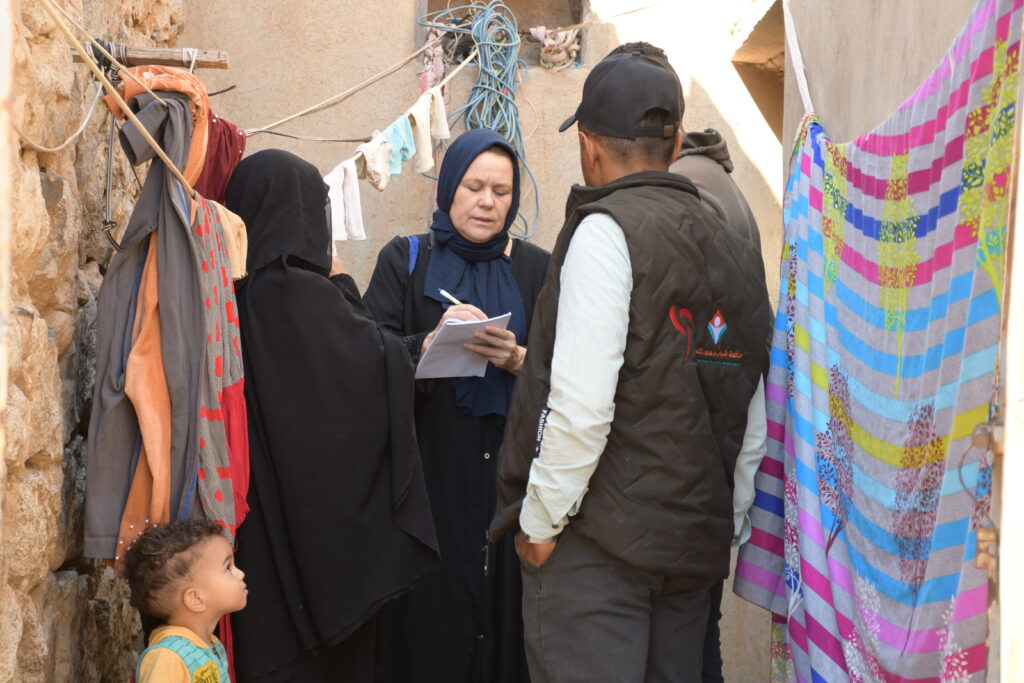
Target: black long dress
463 622
339 521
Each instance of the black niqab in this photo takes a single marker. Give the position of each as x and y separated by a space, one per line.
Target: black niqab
339 520
283 201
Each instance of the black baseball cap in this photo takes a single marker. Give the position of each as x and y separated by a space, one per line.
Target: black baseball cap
620 90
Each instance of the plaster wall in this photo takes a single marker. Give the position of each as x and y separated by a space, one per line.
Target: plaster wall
863 59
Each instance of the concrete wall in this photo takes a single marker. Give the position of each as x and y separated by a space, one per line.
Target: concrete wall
863 59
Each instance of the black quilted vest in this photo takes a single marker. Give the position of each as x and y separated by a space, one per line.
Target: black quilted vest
661 497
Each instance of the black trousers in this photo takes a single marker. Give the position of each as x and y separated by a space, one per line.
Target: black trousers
590 616
711 668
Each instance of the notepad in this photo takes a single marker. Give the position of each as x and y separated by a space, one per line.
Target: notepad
447 357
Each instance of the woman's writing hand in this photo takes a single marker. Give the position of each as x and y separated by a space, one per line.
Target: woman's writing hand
460 312
500 348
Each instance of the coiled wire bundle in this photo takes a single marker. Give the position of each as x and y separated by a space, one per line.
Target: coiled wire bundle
491 103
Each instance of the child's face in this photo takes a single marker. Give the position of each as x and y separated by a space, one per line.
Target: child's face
216 578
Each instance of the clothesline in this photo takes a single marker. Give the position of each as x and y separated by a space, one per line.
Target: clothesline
311 138
381 157
344 95
444 81
406 151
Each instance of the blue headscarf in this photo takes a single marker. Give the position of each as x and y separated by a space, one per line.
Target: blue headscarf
478 274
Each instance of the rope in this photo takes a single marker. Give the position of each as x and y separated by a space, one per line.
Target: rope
793 45
342 96
52 10
491 102
81 128
313 138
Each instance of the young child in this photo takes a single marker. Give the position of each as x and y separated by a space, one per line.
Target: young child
184 573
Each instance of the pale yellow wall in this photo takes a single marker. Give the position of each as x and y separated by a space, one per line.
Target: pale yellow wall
286 56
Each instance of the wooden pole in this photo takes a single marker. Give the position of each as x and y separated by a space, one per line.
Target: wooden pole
168 56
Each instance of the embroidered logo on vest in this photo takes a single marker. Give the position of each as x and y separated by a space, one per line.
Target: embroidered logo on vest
717 326
683 321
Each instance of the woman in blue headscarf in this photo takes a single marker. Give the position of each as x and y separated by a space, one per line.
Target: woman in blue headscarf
462 623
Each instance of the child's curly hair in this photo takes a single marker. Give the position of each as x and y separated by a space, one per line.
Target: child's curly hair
160 558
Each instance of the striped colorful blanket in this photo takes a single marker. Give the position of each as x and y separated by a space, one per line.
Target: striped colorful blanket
883 362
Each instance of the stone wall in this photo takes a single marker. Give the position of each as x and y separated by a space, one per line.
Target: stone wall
62 618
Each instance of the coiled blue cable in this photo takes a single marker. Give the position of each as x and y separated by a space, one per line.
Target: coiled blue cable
491 102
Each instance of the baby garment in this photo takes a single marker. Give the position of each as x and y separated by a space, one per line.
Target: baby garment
429 120
403 147
373 160
346 205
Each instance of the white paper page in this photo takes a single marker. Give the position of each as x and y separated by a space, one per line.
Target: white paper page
446 356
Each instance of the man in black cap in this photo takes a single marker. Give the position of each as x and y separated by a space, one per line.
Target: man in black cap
645 355
704 160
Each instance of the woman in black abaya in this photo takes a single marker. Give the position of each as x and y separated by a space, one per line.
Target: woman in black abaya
462 623
339 520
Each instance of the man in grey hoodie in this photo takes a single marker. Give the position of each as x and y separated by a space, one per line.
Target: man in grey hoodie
705 160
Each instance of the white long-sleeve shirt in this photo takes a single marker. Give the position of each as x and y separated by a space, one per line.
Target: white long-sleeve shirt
590 339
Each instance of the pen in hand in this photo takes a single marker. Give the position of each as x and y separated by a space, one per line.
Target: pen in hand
451 298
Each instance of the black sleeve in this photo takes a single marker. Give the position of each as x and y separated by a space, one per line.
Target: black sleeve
529 267
345 283
386 295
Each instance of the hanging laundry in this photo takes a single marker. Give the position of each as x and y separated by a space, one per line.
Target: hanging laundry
146 387
403 146
223 474
871 495
167 300
346 205
160 215
438 115
236 240
170 79
224 149
429 121
432 62
373 160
